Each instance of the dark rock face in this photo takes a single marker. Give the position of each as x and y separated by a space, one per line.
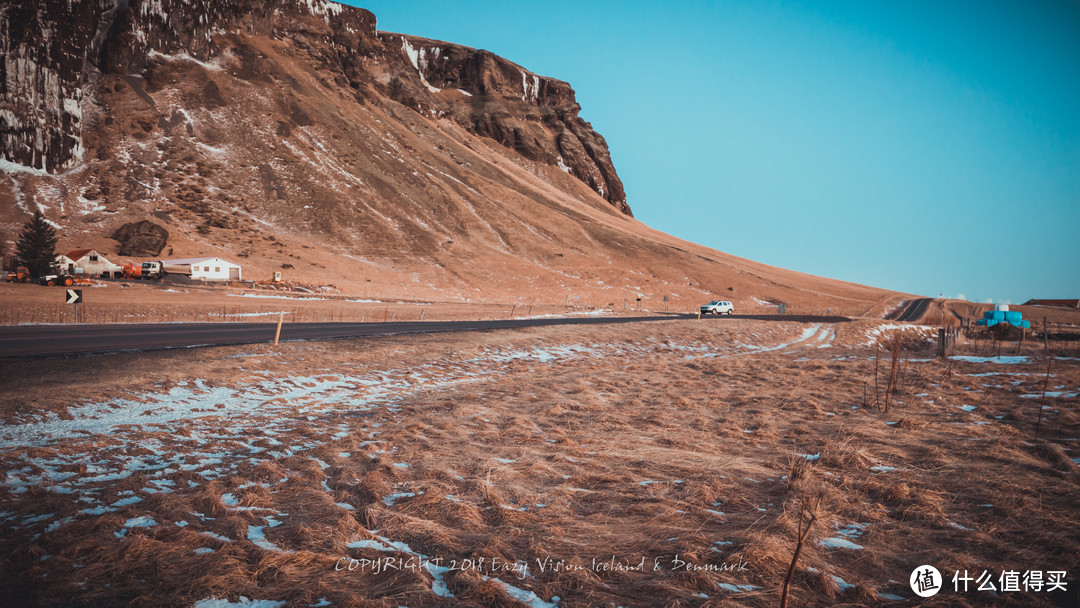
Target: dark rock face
141 239
56 54
45 49
52 53
492 97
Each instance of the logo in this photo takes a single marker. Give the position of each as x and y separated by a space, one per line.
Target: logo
925 581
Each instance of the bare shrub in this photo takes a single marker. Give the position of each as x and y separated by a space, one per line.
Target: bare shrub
797 467
896 346
809 495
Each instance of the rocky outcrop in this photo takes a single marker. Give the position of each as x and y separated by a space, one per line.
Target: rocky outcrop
56 54
141 239
52 53
495 98
149 27
45 52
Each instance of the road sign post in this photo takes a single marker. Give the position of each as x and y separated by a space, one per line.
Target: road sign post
74 296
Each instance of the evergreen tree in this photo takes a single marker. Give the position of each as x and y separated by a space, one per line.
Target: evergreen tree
37 246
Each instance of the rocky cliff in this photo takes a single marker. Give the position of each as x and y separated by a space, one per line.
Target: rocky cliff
56 52
535 116
45 53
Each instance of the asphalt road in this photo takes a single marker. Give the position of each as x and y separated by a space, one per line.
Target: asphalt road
45 340
914 310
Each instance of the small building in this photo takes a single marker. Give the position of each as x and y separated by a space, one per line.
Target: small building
86 261
210 269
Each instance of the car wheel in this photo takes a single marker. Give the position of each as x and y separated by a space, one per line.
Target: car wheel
69 281
730 312
51 283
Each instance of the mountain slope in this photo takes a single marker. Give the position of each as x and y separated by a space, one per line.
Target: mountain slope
291 134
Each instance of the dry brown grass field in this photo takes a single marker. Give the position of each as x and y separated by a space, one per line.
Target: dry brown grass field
652 465
124 301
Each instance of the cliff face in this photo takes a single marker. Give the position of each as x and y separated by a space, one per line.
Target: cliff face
533 115
56 52
46 49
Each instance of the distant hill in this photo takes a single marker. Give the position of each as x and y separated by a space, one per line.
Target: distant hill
1057 303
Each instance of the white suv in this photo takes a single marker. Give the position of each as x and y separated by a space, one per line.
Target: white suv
718 307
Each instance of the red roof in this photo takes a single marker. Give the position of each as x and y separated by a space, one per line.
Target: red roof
78 253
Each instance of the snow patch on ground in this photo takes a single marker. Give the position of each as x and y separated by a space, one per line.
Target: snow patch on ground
219 151
838 543
841 583
184 57
841 540
255 535
1052 394
271 297
876 333
807 333
522 595
392 498
1003 359
734 588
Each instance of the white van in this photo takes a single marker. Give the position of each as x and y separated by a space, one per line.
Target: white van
718 307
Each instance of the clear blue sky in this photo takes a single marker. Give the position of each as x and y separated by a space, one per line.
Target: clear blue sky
926 147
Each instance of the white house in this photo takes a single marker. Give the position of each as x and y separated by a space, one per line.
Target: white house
86 261
211 269
64 263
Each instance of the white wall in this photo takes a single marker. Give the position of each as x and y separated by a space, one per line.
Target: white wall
213 269
95 266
